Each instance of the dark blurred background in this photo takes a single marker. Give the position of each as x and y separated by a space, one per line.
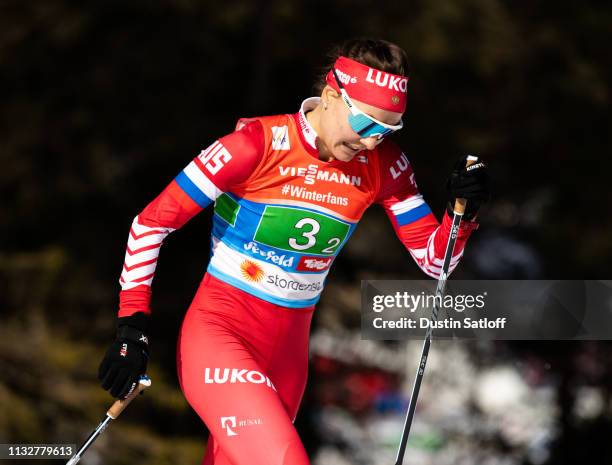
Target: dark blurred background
103 103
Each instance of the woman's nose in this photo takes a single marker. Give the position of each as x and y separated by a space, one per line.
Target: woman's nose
370 142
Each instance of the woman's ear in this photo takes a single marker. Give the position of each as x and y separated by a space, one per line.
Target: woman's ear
328 95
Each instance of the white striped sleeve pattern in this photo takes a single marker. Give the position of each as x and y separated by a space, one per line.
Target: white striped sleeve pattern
141 254
429 262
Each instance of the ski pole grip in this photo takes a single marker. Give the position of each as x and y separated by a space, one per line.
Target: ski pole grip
121 404
460 204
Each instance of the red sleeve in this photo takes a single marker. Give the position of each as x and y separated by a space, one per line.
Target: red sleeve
225 163
411 217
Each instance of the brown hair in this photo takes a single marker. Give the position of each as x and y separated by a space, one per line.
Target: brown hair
376 53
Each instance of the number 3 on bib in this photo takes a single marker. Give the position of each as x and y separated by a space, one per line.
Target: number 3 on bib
309 235
295 229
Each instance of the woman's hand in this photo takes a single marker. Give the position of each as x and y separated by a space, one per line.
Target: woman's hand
126 359
470 183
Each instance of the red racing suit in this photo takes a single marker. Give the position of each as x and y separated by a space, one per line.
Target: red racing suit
281 216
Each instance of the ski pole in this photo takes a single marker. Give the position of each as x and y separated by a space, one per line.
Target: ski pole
458 211
112 414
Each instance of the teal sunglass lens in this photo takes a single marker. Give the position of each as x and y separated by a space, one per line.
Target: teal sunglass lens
365 127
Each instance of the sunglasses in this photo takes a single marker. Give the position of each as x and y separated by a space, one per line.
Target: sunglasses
363 124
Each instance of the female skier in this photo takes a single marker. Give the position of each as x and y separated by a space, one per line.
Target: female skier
288 191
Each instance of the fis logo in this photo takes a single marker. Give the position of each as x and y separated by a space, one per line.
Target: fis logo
314 264
280 138
382 79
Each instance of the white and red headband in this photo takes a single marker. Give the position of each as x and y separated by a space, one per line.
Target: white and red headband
369 85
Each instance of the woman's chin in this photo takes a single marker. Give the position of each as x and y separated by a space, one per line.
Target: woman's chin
344 153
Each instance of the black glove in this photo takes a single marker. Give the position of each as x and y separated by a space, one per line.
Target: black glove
126 358
471 183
